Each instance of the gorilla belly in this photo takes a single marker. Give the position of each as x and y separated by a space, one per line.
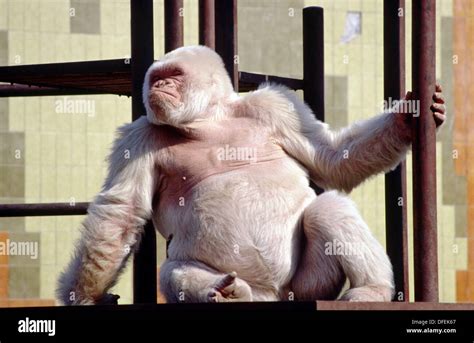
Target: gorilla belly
245 221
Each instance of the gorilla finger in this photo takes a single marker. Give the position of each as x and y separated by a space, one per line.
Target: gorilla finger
439 118
226 281
438 97
439 108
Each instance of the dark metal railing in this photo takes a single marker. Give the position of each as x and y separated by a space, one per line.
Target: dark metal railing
424 151
395 181
218 27
45 209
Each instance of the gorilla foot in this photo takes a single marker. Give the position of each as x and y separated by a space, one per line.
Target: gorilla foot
109 299
368 293
230 289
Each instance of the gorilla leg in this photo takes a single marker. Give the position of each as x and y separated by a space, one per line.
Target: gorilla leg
338 243
191 281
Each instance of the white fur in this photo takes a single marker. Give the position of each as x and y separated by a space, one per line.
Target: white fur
205 92
115 219
264 212
371 146
333 217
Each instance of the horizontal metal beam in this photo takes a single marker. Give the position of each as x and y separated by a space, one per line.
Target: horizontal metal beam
46 209
65 68
18 90
106 76
391 306
292 308
97 77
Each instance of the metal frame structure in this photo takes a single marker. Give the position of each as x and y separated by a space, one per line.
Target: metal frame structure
395 181
218 29
144 261
424 152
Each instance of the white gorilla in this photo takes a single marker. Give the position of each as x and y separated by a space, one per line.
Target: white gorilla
227 176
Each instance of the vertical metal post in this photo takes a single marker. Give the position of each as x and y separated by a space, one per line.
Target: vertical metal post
207 34
313 59
173 24
395 181
226 36
144 262
313 63
424 151
141 13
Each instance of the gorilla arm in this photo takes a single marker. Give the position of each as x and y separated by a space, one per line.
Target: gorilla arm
335 160
115 219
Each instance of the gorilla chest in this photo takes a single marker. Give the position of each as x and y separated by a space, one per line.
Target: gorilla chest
213 151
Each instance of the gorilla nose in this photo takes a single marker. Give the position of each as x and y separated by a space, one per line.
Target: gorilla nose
158 84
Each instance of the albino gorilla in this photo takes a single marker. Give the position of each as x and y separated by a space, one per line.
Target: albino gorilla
227 176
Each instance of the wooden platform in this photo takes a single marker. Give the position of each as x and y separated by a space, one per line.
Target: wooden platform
393 306
48 306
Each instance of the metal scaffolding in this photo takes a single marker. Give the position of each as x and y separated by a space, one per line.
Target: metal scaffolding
218 28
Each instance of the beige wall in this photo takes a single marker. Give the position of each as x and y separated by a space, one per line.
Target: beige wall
63 153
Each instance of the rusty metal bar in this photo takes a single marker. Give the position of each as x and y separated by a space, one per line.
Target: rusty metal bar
247 82
313 63
313 59
393 306
250 81
53 69
173 24
207 27
45 209
395 181
144 262
142 50
226 37
91 77
424 151
17 90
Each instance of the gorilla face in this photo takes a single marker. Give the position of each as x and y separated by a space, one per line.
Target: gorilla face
182 86
166 90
